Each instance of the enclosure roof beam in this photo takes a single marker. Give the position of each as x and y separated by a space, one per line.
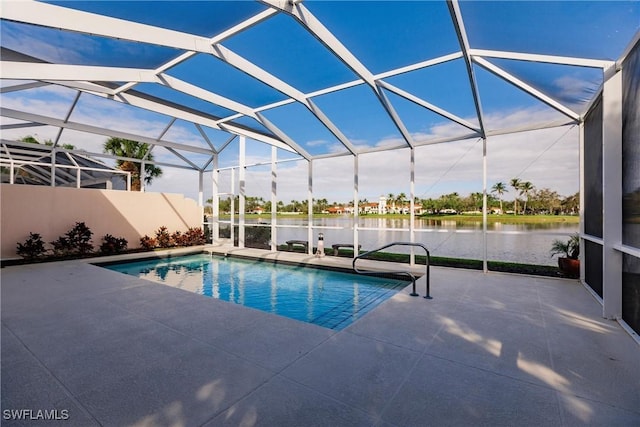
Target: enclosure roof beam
51 121
171 110
331 127
131 159
527 88
137 101
216 39
66 118
205 137
89 23
326 37
73 73
85 154
283 136
47 15
458 23
418 65
189 162
22 86
528 128
198 92
428 106
20 125
549 59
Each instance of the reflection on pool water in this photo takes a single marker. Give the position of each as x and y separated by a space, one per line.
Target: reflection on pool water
326 298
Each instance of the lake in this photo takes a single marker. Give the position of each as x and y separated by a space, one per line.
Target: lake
524 243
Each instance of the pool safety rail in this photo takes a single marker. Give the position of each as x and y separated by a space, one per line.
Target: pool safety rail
405 273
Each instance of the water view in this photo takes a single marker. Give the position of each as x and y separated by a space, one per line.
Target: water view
515 242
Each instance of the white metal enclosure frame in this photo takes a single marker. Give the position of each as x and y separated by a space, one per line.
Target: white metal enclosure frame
22 71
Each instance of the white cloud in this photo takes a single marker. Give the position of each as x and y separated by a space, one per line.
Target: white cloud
317 143
46 44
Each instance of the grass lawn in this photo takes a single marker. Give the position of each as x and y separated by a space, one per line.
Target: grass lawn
511 219
473 264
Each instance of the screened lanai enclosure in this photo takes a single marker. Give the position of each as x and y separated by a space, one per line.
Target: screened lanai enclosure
272 112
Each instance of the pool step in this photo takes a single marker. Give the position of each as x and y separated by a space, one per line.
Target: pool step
341 315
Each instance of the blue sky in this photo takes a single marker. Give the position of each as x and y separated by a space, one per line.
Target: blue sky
383 35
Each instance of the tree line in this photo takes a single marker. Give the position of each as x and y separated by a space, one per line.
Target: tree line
528 200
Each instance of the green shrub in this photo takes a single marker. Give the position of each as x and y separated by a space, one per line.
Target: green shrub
76 241
32 248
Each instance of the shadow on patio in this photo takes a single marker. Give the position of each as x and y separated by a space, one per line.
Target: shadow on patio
492 349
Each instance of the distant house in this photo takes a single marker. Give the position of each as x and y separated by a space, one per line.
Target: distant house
379 208
337 210
368 208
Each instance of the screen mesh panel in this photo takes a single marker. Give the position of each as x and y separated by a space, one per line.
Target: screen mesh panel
631 291
593 266
593 171
631 149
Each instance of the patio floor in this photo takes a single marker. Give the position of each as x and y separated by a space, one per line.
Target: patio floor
493 349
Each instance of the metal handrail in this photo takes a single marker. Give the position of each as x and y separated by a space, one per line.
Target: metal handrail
407 273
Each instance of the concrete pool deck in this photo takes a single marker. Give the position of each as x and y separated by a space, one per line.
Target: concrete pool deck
494 349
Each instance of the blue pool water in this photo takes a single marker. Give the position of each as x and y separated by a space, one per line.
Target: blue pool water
325 298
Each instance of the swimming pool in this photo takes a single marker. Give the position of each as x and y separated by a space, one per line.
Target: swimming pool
326 298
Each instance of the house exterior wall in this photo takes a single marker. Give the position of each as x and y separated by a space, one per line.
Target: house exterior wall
52 211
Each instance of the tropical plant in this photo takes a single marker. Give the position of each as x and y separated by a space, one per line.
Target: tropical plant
113 245
570 248
133 150
178 239
163 238
148 243
499 188
194 237
32 248
75 241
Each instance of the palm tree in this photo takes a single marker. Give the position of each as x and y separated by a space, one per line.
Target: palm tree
400 200
135 150
499 188
477 198
515 183
526 188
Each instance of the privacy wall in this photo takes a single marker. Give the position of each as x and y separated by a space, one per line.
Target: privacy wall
52 211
